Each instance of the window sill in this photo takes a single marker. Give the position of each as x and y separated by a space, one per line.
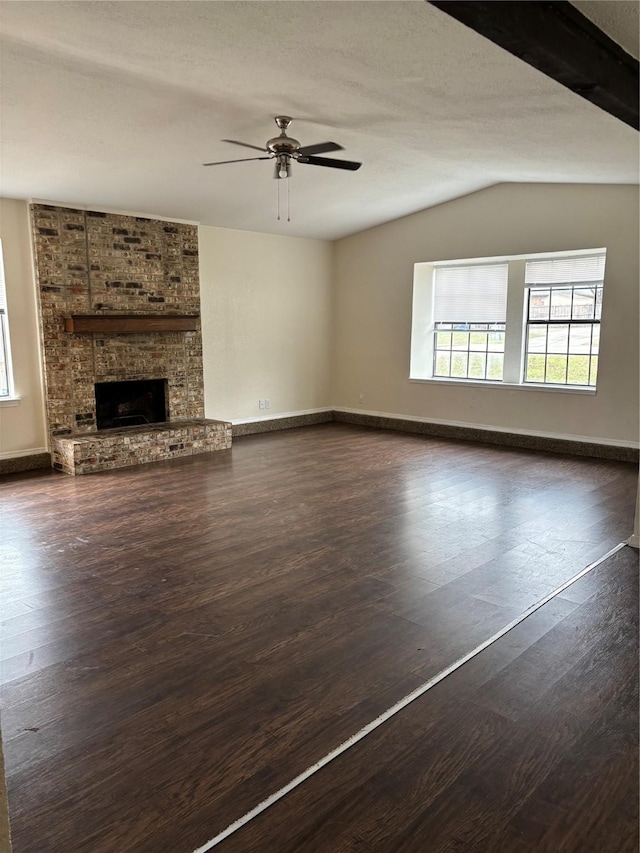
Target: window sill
529 386
9 401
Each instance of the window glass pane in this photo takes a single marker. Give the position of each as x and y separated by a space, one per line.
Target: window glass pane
539 302
560 303
558 339
595 341
594 370
537 339
583 303
599 303
535 368
578 373
459 364
460 340
443 340
442 364
4 373
495 342
478 341
494 366
477 365
580 339
556 371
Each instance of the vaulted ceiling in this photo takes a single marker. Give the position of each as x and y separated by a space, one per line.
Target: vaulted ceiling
116 105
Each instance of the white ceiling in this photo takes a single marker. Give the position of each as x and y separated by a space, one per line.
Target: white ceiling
115 105
619 19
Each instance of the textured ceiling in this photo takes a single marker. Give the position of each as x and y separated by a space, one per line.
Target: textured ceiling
117 105
617 18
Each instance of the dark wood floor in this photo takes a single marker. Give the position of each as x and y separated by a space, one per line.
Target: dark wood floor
180 640
531 746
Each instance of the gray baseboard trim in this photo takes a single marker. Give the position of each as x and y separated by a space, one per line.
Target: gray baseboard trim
287 422
16 464
621 453
505 439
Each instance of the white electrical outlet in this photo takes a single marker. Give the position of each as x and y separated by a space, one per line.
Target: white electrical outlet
361 399
267 403
261 404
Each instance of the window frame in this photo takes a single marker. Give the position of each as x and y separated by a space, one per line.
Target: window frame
5 337
597 286
486 352
423 326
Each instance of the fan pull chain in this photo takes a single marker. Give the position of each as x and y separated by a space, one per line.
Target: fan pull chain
288 204
278 201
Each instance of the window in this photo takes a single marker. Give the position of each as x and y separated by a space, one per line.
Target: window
469 350
529 320
6 383
469 313
564 306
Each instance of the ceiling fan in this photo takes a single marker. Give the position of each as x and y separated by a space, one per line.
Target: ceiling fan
284 149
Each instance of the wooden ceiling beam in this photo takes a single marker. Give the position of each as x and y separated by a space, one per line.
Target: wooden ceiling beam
560 41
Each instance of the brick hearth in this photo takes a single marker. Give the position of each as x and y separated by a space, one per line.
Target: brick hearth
118 448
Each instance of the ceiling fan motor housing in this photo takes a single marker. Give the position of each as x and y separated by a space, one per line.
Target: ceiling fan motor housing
283 145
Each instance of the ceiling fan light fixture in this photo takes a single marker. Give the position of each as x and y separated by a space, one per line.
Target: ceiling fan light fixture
283 167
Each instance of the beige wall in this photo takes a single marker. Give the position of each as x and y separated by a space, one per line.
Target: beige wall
266 322
373 295
22 428
272 320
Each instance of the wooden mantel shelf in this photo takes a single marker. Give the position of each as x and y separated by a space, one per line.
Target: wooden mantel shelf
118 323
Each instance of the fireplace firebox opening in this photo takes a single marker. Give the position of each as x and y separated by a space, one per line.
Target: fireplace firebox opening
131 403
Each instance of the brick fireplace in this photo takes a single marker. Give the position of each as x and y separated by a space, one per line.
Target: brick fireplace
136 274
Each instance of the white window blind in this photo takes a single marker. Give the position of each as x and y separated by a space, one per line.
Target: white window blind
3 291
555 271
471 294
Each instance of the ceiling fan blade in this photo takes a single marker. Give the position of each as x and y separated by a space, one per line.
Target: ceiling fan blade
332 164
241 160
320 148
244 144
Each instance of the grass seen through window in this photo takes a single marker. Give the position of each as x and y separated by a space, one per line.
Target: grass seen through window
469 350
563 353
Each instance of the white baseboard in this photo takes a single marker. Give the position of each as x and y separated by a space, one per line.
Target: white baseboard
276 417
615 442
16 454
634 540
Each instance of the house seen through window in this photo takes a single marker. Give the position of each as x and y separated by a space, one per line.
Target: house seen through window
564 306
525 319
